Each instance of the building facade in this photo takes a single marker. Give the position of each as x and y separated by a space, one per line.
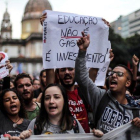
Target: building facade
25 53
128 25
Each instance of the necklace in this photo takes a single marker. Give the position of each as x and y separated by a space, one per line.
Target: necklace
15 123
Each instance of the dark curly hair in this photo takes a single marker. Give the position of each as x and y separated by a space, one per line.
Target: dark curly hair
21 76
22 112
66 120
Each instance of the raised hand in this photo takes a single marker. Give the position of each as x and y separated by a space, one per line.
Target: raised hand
83 42
136 122
42 18
8 65
106 22
111 56
135 60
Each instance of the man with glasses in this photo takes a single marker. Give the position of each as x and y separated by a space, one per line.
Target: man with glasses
111 108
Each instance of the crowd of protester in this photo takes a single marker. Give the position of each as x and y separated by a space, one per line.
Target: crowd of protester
53 104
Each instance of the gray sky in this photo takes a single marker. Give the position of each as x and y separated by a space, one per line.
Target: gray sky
108 9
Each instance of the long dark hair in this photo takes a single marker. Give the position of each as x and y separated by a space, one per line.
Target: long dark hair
42 119
22 112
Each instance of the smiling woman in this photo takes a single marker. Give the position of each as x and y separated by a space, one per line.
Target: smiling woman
12 115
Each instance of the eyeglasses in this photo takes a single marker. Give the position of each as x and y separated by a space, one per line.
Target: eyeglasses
119 74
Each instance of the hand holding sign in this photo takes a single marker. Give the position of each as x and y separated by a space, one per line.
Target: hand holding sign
136 122
8 66
42 18
4 65
106 22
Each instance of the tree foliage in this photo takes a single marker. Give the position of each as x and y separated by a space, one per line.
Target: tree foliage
120 49
134 44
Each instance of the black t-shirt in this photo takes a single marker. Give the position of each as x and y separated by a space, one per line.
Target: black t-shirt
6 83
37 92
6 126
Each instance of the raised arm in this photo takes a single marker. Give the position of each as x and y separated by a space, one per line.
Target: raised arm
83 42
93 93
135 62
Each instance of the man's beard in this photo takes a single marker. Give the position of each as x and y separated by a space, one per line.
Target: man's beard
67 85
28 100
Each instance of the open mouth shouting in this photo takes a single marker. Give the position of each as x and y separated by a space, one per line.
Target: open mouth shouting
26 93
13 108
113 83
52 108
67 78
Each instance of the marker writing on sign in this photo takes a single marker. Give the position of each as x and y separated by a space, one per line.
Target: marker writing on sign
67 43
45 32
47 56
66 56
96 57
69 33
63 19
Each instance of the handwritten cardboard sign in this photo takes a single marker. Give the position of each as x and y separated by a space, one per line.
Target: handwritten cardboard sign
60 34
3 71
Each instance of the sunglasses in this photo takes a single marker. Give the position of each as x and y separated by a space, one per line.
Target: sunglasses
119 74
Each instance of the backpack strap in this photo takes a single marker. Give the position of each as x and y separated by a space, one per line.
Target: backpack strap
101 107
75 125
135 113
38 104
87 106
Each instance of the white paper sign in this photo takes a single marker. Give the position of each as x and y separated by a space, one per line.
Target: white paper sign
101 75
60 34
3 71
100 80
